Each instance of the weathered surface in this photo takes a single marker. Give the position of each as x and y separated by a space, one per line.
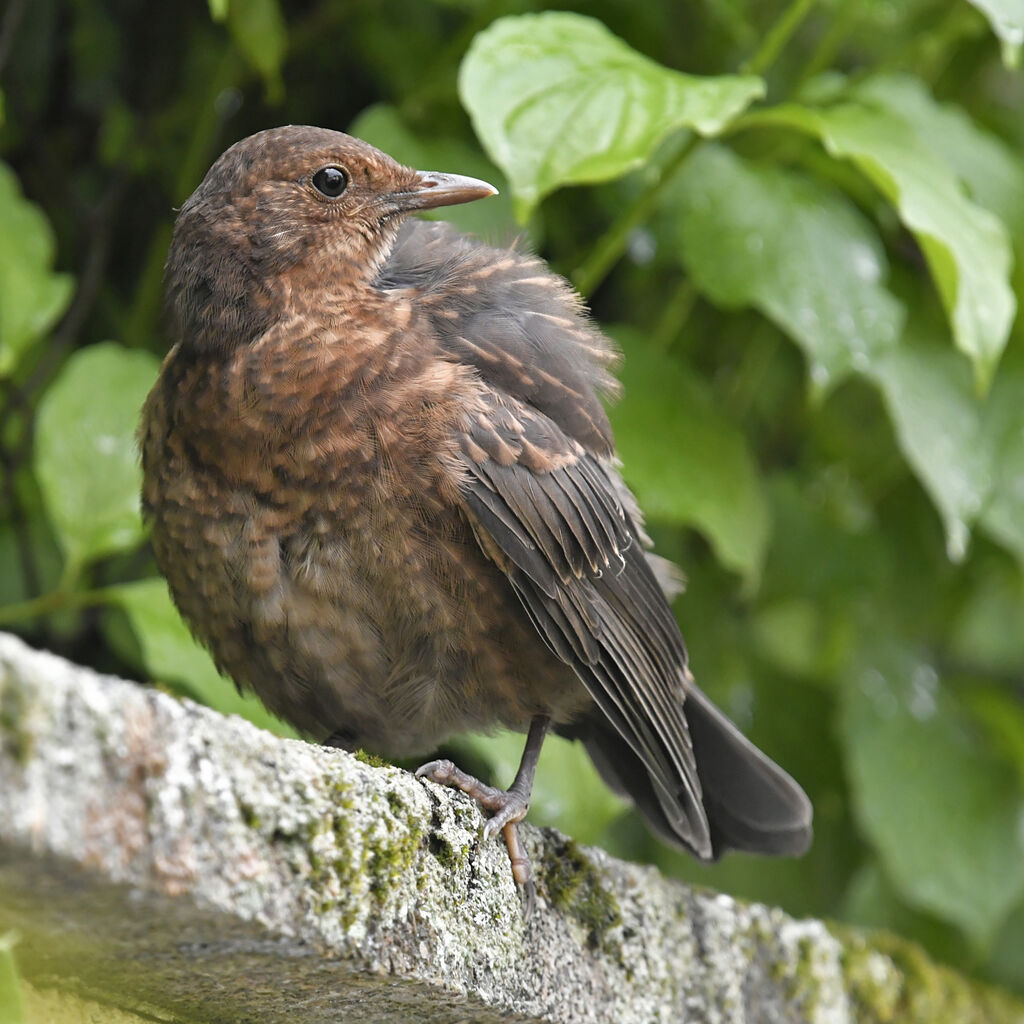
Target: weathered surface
159 857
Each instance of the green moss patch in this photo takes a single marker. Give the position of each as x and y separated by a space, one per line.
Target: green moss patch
576 887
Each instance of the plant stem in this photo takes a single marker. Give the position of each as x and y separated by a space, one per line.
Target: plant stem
613 242
55 601
142 323
777 37
673 318
828 47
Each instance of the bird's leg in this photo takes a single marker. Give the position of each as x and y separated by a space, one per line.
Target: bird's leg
509 806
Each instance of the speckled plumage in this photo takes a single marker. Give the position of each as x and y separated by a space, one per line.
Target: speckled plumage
382 486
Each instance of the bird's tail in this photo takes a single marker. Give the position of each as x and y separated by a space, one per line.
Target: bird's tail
750 802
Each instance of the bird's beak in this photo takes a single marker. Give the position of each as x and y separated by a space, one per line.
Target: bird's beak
432 188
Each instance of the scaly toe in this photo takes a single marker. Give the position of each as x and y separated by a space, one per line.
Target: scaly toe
442 772
512 810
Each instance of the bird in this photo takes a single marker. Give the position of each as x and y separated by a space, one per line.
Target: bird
382 485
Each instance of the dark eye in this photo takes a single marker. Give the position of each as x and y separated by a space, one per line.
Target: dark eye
330 181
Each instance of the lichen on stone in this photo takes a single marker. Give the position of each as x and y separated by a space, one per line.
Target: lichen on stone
575 886
891 980
14 732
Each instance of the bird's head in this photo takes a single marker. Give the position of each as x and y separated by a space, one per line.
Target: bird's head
285 207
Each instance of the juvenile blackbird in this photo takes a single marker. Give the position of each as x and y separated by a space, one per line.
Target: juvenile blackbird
383 489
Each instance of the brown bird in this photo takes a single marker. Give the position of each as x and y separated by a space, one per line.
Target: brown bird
383 489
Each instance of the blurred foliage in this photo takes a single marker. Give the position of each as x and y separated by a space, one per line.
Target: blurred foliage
804 225
10 982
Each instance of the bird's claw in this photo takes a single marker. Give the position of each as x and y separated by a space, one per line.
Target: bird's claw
512 810
440 772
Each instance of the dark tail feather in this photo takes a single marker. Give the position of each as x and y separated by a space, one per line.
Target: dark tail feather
623 772
750 802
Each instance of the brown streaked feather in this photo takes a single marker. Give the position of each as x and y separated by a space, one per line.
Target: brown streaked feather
576 562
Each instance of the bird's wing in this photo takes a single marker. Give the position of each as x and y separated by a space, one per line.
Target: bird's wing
550 515
548 506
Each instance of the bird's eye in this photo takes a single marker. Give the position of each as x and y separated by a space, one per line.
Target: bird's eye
330 181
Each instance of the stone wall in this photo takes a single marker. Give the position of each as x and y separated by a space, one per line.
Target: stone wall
182 866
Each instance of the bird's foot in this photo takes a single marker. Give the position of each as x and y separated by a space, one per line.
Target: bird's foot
507 807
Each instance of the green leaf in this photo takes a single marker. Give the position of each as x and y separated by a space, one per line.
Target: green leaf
1002 713
32 296
685 461
939 428
557 99
801 638
966 246
941 807
793 248
493 219
10 983
987 631
968 454
871 902
992 171
1006 966
171 655
1003 514
1007 20
86 459
258 28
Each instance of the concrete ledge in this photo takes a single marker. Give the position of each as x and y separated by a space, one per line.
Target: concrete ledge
160 858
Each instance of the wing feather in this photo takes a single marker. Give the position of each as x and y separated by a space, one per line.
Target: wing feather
553 520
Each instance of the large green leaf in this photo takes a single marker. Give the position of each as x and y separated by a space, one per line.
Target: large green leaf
992 171
966 246
171 655
491 219
939 428
86 459
32 296
872 902
1003 514
1001 711
987 631
686 462
968 453
1007 20
558 99
941 807
795 249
